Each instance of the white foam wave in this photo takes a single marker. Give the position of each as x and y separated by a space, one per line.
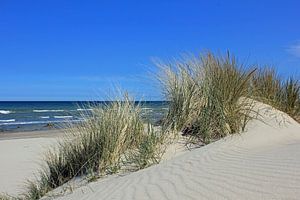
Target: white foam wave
5 112
7 120
48 110
44 117
63 117
81 109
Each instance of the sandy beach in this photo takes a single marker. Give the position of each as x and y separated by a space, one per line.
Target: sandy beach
261 163
21 154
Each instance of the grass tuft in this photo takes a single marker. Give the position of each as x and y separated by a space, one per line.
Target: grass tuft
150 150
209 96
283 94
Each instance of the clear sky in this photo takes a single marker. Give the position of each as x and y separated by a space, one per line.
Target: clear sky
77 50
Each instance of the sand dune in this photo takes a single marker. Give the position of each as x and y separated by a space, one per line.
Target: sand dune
261 163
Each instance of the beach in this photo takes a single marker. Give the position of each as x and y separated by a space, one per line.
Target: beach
21 156
261 163
28 129
150 100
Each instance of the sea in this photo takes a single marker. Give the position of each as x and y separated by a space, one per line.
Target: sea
20 116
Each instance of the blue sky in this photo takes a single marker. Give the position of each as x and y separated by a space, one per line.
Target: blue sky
77 50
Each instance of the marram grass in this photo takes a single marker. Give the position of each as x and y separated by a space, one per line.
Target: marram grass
283 94
212 96
209 96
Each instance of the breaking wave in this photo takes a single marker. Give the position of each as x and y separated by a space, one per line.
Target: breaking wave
5 112
48 111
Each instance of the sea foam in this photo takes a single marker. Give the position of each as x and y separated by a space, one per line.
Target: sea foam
81 109
63 117
5 112
44 117
7 120
48 110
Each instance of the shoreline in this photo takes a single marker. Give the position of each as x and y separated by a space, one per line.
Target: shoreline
31 134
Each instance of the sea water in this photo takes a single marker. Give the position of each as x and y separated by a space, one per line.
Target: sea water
44 115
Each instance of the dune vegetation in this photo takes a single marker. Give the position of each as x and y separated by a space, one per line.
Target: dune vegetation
283 94
209 98
212 96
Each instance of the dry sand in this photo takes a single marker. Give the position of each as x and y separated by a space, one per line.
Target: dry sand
20 157
261 163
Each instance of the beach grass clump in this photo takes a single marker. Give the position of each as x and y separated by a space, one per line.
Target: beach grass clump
283 94
267 87
214 96
100 145
150 149
290 97
226 100
181 91
37 189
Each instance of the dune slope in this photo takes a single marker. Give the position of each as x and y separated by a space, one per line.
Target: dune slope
261 163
